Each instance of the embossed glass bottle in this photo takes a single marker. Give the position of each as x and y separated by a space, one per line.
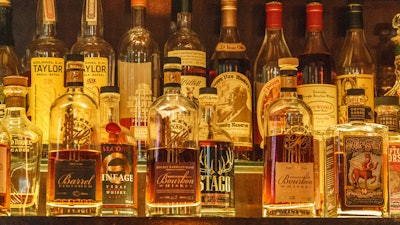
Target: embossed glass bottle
26 146
99 54
173 177
5 158
216 160
356 172
74 163
289 184
119 158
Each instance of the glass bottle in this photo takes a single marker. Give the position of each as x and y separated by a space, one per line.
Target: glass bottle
289 155
26 146
119 158
355 64
74 149
387 111
395 90
9 62
5 180
138 75
43 63
356 170
185 43
229 72
173 155
266 71
216 160
99 54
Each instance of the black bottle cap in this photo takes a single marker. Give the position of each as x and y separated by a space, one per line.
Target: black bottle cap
184 5
386 100
356 91
208 90
354 14
75 57
175 60
109 89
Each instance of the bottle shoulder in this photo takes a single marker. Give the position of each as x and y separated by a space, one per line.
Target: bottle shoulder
357 128
46 47
93 46
173 103
214 133
74 100
124 136
137 38
184 40
22 126
283 104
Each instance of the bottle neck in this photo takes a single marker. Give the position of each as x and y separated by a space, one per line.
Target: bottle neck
109 106
172 88
138 16
46 19
15 101
184 20
6 35
207 110
92 19
314 40
229 31
288 81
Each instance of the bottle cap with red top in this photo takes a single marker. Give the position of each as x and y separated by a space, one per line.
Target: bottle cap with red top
273 11
314 11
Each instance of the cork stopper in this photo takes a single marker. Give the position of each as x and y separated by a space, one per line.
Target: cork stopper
5 3
74 69
289 61
15 81
142 3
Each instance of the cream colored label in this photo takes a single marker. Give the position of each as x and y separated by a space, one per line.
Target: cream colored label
3 170
294 182
190 57
140 133
321 98
345 82
95 76
230 47
234 111
191 85
91 12
49 11
47 84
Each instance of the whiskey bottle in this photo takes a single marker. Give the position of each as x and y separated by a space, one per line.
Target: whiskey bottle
138 75
43 63
355 64
186 44
26 147
289 184
356 172
99 54
173 177
387 111
9 62
74 164
119 158
229 72
5 180
216 160
266 71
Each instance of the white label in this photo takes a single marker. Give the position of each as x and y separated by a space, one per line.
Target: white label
190 57
91 12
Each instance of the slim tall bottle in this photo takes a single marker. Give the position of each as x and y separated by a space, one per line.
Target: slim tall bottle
43 63
187 45
26 147
119 158
9 62
216 160
355 64
138 75
229 72
173 177
266 71
99 54
74 164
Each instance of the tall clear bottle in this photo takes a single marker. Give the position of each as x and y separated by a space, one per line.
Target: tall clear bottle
186 44
138 75
173 155
356 170
9 62
355 64
229 72
74 163
26 147
216 160
266 71
99 54
43 63
119 158
289 156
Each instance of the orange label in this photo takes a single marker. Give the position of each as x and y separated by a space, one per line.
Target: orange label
49 11
230 47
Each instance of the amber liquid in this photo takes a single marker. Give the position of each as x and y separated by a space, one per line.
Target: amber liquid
315 68
5 196
131 123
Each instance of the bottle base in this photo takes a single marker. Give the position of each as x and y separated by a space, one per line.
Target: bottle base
84 210
116 212
217 212
24 212
290 210
363 213
164 210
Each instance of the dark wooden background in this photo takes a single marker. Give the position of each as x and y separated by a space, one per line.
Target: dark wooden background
206 21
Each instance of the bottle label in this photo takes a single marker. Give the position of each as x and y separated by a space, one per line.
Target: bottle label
394 176
268 93
75 180
2 110
321 98
330 196
391 120
21 144
47 84
294 182
4 165
230 47
135 82
234 109
95 76
190 57
364 171
118 177
49 11
175 182
216 174
350 81
91 12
